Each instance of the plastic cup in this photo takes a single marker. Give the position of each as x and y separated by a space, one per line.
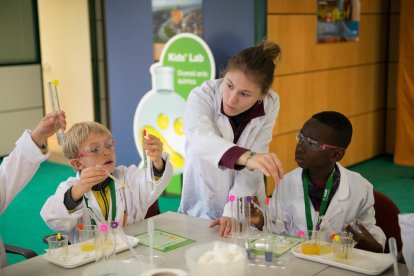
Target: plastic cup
87 237
58 247
342 248
312 241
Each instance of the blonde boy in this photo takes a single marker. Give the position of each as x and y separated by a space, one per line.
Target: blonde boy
92 197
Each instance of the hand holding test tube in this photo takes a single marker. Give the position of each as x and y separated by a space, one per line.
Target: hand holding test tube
149 173
54 101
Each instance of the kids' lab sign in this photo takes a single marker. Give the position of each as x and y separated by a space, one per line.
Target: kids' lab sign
185 63
192 60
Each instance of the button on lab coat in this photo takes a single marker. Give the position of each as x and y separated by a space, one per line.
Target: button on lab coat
354 199
209 135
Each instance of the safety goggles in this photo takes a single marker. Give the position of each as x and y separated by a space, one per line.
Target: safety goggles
97 149
313 144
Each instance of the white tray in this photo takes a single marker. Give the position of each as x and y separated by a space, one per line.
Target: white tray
76 257
362 261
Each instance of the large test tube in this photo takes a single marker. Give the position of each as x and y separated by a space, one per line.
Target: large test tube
54 101
149 173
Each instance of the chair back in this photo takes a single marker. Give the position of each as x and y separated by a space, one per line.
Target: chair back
386 215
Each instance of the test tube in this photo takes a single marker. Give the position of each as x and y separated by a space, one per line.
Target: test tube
232 198
246 227
54 101
149 173
269 239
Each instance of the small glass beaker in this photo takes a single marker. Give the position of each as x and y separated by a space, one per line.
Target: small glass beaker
58 247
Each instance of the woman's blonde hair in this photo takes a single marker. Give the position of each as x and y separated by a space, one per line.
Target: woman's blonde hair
78 134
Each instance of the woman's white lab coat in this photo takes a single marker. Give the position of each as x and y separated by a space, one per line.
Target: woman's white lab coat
16 170
354 199
206 186
135 201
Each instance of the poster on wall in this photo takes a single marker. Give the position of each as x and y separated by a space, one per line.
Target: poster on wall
185 62
172 17
338 20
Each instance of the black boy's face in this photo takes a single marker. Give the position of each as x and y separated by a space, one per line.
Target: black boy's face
311 159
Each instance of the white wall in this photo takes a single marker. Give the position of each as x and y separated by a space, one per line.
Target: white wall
66 56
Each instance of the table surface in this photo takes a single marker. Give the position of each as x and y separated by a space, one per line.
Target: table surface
189 227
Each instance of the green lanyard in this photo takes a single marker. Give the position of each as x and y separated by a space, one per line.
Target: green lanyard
324 202
113 200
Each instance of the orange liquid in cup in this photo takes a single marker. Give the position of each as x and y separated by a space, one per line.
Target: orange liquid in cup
311 248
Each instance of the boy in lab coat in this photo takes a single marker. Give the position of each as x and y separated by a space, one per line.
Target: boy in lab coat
92 197
323 192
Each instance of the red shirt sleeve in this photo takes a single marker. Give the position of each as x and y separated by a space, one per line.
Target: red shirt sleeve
231 156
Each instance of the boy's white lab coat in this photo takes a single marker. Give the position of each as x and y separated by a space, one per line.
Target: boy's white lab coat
135 201
354 199
16 170
208 136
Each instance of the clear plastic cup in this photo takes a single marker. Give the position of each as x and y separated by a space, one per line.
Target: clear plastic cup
342 248
87 235
58 247
312 242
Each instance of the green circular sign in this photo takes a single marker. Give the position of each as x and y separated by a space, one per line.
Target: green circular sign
192 60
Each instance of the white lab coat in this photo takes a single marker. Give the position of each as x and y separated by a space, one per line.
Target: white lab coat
354 199
16 170
135 201
206 186
406 222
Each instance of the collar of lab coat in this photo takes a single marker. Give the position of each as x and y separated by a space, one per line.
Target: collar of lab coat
342 194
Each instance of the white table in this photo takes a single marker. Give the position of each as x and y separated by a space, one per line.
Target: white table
189 227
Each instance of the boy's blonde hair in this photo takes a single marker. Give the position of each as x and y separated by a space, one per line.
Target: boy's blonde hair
78 134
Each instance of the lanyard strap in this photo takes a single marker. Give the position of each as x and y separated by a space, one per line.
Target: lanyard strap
113 198
113 201
324 202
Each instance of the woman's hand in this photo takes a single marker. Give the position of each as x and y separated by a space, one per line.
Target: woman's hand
225 226
364 238
46 127
153 147
267 163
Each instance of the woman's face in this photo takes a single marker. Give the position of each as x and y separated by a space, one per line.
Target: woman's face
239 93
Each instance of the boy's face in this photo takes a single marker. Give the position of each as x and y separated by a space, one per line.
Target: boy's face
313 149
98 149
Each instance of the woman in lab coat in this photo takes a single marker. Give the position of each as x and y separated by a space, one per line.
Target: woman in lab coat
21 164
228 125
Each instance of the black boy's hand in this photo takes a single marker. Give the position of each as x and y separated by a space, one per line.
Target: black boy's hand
364 239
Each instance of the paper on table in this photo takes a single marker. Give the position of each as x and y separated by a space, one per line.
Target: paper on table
164 241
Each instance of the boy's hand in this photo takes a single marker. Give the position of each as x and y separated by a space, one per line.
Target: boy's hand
153 147
46 127
225 226
364 238
89 177
256 216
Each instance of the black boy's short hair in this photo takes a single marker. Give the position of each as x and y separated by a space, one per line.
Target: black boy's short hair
339 123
